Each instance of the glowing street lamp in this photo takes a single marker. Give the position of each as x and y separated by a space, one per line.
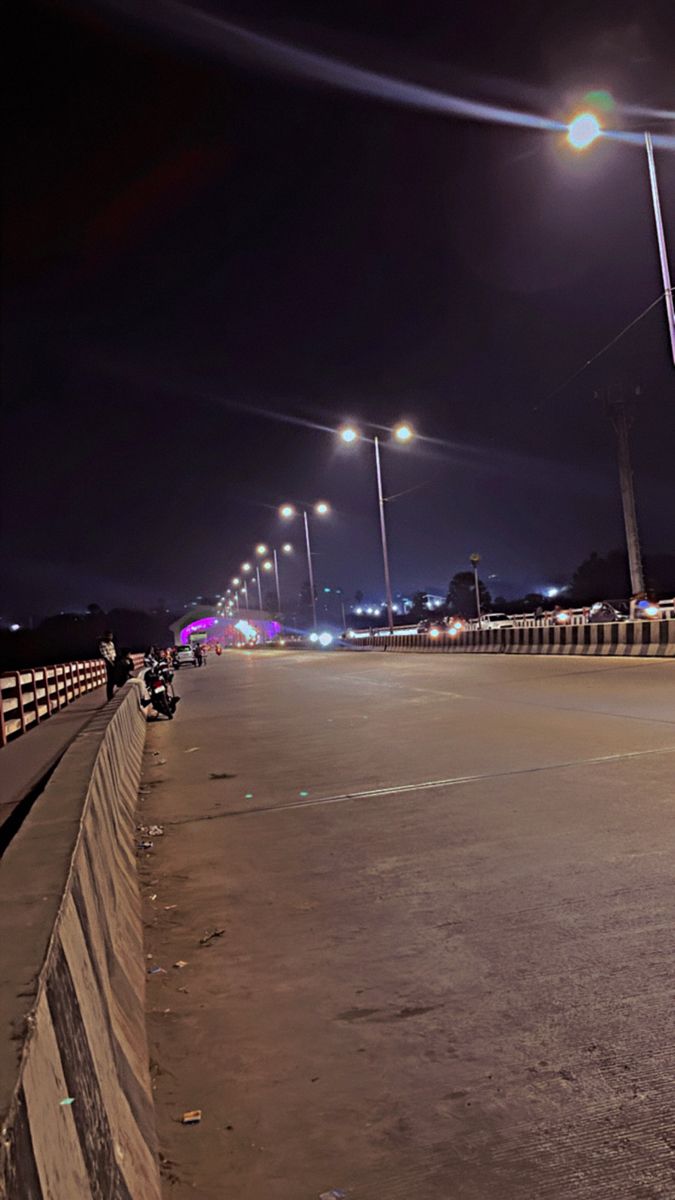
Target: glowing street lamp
287 511
582 131
402 433
261 549
349 434
245 568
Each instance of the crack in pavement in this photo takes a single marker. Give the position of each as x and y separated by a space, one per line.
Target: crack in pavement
426 785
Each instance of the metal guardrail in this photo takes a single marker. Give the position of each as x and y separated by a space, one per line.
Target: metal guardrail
32 695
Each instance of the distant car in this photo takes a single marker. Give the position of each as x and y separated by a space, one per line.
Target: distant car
495 621
320 641
608 610
184 656
647 610
432 628
455 626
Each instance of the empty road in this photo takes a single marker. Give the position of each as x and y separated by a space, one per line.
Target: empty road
442 893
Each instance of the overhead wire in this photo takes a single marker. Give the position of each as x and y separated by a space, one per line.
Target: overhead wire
575 375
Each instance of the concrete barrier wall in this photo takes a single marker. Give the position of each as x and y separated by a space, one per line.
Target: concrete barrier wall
75 1097
634 639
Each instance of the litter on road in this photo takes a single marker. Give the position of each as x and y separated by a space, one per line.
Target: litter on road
193 1117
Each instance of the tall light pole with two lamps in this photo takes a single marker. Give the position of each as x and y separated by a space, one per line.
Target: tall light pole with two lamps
402 433
262 550
288 511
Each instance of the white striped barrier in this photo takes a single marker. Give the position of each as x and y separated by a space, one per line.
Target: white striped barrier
632 639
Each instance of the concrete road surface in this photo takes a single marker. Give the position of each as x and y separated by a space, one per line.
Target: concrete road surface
445 891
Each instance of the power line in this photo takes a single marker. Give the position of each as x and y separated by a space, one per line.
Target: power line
604 350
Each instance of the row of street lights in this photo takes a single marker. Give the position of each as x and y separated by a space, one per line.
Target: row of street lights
582 132
349 434
268 561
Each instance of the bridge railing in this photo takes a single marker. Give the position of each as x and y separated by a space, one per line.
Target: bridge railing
32 695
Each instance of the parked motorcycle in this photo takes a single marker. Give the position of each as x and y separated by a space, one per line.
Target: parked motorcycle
158 679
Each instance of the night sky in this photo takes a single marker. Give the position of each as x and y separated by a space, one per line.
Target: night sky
192 240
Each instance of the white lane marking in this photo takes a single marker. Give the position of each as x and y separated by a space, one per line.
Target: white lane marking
425 785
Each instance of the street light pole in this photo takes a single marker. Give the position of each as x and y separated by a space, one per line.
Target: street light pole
475 559
661 239
245 591
276 579
310 569
257 575
383 535
620 421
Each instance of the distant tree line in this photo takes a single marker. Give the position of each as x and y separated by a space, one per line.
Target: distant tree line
71 637
598 577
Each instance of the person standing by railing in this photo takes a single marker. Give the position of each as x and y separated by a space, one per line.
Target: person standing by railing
108 652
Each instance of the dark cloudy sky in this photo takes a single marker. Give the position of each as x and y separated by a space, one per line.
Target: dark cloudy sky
190 238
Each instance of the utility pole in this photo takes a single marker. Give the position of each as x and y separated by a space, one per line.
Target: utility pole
383 537
621 422
474 559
